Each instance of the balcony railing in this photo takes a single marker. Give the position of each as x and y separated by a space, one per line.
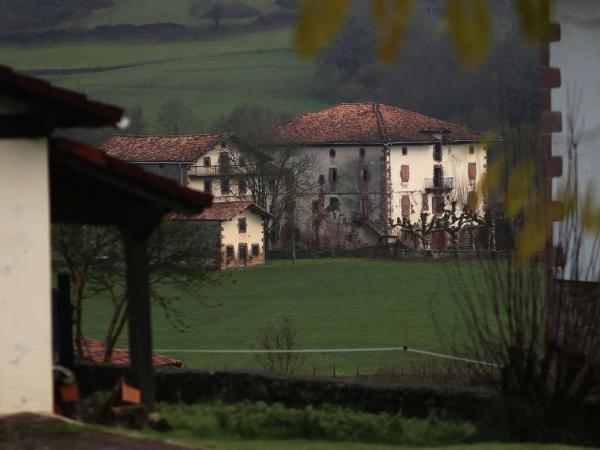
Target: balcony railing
204 171
439 184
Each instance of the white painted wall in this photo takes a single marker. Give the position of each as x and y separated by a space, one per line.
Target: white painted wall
455 161
25 308
577 55
230 235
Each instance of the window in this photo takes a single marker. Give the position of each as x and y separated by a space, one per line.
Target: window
161 166
208 186
438 177
405 203
361 153
364 174
242 187
437 151
332 152
332 175
364 207
425 203
404 173
472 171
255 249
471 149
334 204
225 185
437 204
229 251
242 225
321 180
206 162
404 151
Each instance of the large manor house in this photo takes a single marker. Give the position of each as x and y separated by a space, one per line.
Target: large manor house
374 163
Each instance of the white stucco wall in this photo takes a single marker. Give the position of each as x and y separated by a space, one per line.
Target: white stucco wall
419 158
230 235
25 308
577 55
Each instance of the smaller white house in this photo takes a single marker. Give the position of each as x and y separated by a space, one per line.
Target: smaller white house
237 230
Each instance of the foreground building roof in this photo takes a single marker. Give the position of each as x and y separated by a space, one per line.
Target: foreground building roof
367 123
228 210
94 350
174 148
62 107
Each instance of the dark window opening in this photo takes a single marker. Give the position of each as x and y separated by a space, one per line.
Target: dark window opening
334 204
332 153
225 185
425 203
224 159
361 153
207 186
437 204
437 151
438 180
242 187
255 249
230 251
471 149
364 174
364 207
242 225
206 162
321 180
332 175
161 166
404 151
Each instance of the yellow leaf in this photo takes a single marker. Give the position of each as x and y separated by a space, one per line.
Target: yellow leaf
590 216
318 23
492 178
533 235
469 25
519 192
534 16
392 27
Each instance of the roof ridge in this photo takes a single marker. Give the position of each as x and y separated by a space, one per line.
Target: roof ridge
167 135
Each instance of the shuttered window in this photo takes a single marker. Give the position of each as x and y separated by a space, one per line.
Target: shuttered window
472 171
405 202
404 173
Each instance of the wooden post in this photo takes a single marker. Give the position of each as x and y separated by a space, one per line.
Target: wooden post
139 317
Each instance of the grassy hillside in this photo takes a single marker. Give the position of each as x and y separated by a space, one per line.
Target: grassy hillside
333 303
211 76
153 11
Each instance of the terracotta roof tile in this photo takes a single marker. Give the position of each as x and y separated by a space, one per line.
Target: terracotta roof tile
181 148
227 211
94 350
196 200
366 123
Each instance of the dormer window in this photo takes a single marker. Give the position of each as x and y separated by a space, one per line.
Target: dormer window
206 161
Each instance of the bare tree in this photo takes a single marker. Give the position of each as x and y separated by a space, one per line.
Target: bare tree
174 117
279 338
93 257
216 10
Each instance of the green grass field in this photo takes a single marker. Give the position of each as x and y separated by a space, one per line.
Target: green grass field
334 303
210 76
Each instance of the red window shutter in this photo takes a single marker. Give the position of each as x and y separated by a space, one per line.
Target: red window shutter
472 171
404 173
405 206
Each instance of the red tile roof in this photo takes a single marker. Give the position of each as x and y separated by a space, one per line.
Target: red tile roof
227 211
366 123
192 199
183 148
94 350
71 109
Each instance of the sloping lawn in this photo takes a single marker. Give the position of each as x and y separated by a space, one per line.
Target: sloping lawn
334 303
